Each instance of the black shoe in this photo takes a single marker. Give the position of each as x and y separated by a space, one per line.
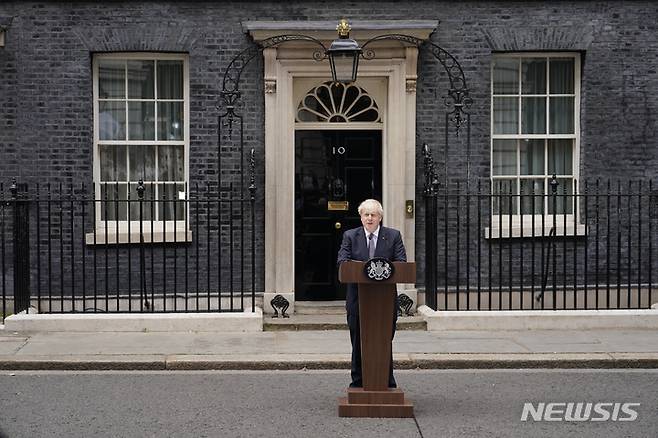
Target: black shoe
392 385
356 385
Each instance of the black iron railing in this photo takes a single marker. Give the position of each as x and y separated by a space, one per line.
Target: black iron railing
487 247
561 245
114 248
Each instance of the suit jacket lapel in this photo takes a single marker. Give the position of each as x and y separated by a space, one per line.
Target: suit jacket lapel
362 250
382 242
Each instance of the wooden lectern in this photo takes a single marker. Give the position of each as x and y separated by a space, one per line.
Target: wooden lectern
376 307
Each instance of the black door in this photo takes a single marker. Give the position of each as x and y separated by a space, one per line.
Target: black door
334 172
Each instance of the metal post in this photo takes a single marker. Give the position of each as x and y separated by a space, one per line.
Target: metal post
143 302
21 244
431 212
252 199
431 249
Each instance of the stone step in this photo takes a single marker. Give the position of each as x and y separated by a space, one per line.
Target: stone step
299 322
320 307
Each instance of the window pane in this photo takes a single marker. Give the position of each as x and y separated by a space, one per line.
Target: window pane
170 163
532 157
170 120
323 98
502 199
533 76
562 201
532 201
506 115
142 163
142 120
561 115
111 79
306 116
113 206
370 115
140 80
533 114
506 76
504 157
113 162
170 200
131 92
561 71
560 157
536 115
112 120
141 210
170 79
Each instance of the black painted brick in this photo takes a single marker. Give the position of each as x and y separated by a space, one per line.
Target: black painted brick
45 77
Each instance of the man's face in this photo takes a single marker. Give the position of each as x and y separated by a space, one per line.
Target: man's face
370 220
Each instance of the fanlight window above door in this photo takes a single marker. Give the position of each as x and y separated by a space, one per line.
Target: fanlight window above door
333 102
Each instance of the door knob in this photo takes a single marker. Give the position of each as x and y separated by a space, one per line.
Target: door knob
338 225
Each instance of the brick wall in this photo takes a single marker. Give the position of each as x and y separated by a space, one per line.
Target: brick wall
46 83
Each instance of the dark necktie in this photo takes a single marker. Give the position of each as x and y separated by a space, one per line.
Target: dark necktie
371 246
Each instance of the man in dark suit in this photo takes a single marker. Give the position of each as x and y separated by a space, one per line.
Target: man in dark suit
363 243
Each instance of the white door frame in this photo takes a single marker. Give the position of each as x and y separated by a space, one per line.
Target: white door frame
395 63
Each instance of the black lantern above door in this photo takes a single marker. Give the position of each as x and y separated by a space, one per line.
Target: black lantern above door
344 55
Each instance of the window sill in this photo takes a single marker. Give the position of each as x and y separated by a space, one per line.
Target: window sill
114 238
537 232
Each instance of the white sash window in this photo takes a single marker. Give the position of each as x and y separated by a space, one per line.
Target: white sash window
535 101
141 132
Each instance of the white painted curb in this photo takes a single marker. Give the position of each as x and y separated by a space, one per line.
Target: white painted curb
539 319
246 321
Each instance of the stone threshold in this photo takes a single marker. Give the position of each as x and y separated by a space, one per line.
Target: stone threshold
298 322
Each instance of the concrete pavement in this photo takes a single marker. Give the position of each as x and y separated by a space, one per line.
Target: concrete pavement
327 349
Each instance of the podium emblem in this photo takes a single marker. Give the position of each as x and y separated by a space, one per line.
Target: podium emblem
378 269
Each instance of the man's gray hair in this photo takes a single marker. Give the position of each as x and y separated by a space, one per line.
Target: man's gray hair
371 205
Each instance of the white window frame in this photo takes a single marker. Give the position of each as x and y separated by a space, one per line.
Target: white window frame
522 224
128 231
